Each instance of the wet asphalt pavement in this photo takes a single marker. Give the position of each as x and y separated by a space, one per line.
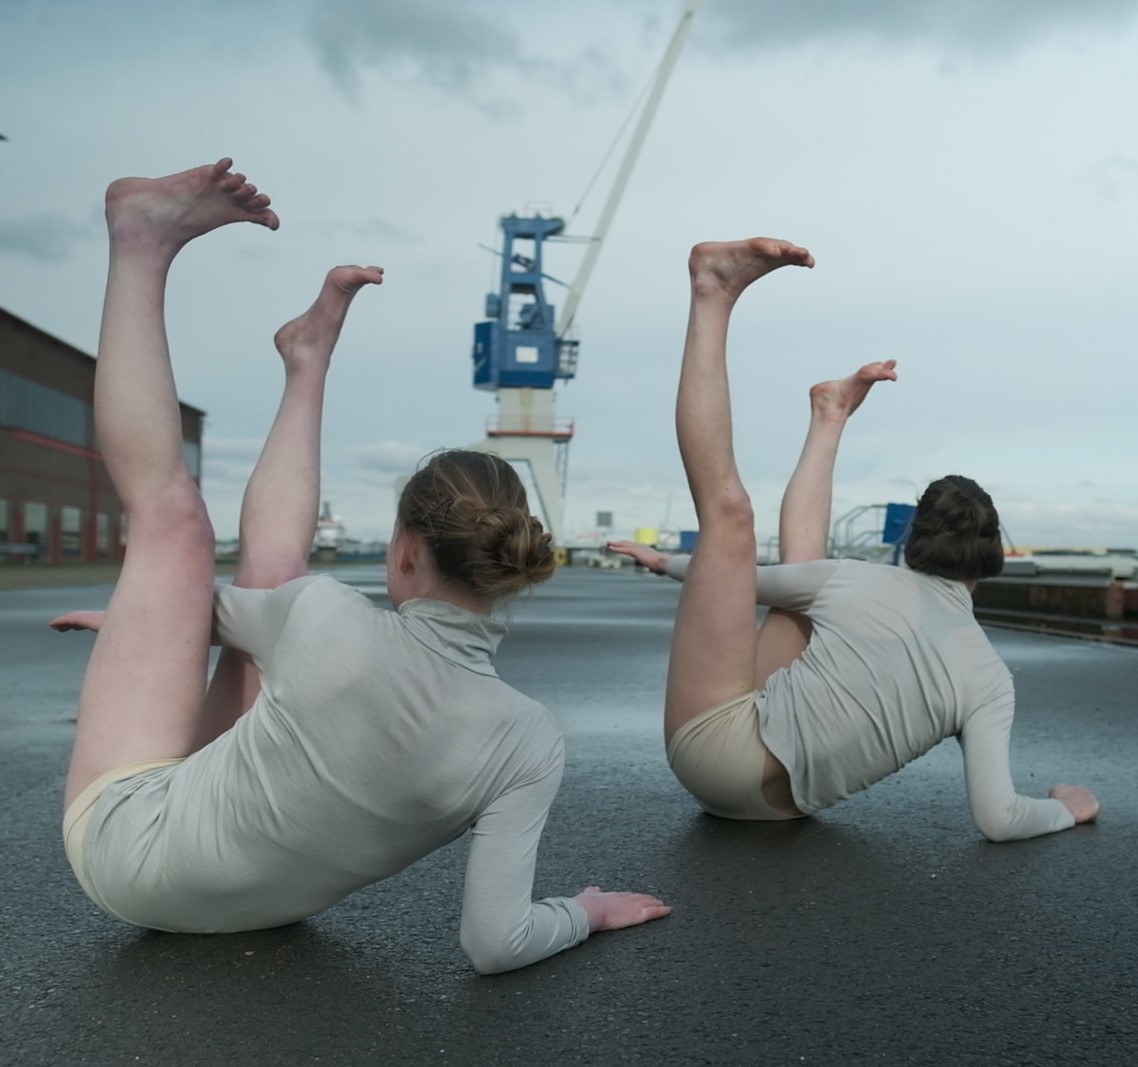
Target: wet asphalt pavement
885 931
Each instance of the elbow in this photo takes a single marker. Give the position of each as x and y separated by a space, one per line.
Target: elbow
1001 828
997 832
486 955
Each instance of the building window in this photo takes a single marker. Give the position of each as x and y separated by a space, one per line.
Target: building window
71 529
27 405
35 529
193 453
103 535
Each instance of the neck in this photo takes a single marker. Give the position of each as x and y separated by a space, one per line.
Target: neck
429 586
461 598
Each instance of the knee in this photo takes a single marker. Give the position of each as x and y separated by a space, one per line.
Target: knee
177 515
728 523
729 511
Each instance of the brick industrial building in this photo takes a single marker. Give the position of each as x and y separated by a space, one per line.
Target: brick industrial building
56 500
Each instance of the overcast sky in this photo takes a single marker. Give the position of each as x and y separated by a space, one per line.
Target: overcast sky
966 174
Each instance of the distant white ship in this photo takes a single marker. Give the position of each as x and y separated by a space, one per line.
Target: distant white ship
330 531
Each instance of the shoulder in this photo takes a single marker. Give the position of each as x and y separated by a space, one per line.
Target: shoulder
536 720
989 683
325 605
535 714
529 738
811 574
326 589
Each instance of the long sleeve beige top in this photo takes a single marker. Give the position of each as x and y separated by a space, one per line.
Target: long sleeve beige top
896 663
378 737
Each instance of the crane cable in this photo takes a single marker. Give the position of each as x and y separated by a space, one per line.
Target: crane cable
633 112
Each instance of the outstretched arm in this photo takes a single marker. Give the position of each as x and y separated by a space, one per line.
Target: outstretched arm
791 586
503 928
655 560
999 812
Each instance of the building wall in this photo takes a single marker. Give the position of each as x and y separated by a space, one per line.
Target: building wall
57 503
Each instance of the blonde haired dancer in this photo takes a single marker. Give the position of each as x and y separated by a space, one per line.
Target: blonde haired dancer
337 743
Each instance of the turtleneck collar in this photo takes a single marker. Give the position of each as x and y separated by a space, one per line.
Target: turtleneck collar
464 637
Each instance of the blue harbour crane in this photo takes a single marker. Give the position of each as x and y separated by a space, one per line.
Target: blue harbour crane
522 348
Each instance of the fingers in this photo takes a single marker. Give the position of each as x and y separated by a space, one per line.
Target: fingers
616 911
642 554
1079 801
77 620
656 911
632 909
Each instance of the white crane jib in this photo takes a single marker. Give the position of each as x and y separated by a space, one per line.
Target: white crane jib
520 351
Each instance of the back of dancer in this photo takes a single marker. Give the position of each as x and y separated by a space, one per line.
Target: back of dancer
334 743
858 668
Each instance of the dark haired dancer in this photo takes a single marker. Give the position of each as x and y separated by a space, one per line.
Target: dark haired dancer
336 743
859 668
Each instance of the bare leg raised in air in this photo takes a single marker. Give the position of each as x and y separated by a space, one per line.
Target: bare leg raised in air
143 690
719 658
279 510
804 518
714 644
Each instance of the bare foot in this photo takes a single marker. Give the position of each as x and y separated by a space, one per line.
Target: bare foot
841 397
78 620
313 335
166 213
727 268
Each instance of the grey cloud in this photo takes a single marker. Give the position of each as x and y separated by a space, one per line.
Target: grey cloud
381 228
369 228
1112 177
976 25
45 237
450 46
229 461
388 458
444 43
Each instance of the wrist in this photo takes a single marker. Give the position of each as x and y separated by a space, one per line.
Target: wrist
594 908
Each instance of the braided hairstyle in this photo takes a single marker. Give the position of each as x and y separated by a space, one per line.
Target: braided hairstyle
470 509
955 532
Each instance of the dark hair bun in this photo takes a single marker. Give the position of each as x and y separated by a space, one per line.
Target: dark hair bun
955 532
509 551
471 509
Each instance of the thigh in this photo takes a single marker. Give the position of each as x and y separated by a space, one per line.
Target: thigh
782 638
144 685
720 758
714 641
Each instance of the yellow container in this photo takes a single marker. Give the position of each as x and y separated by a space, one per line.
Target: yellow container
646 535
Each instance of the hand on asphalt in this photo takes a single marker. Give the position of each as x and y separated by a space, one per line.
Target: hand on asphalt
614 911
1081 803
